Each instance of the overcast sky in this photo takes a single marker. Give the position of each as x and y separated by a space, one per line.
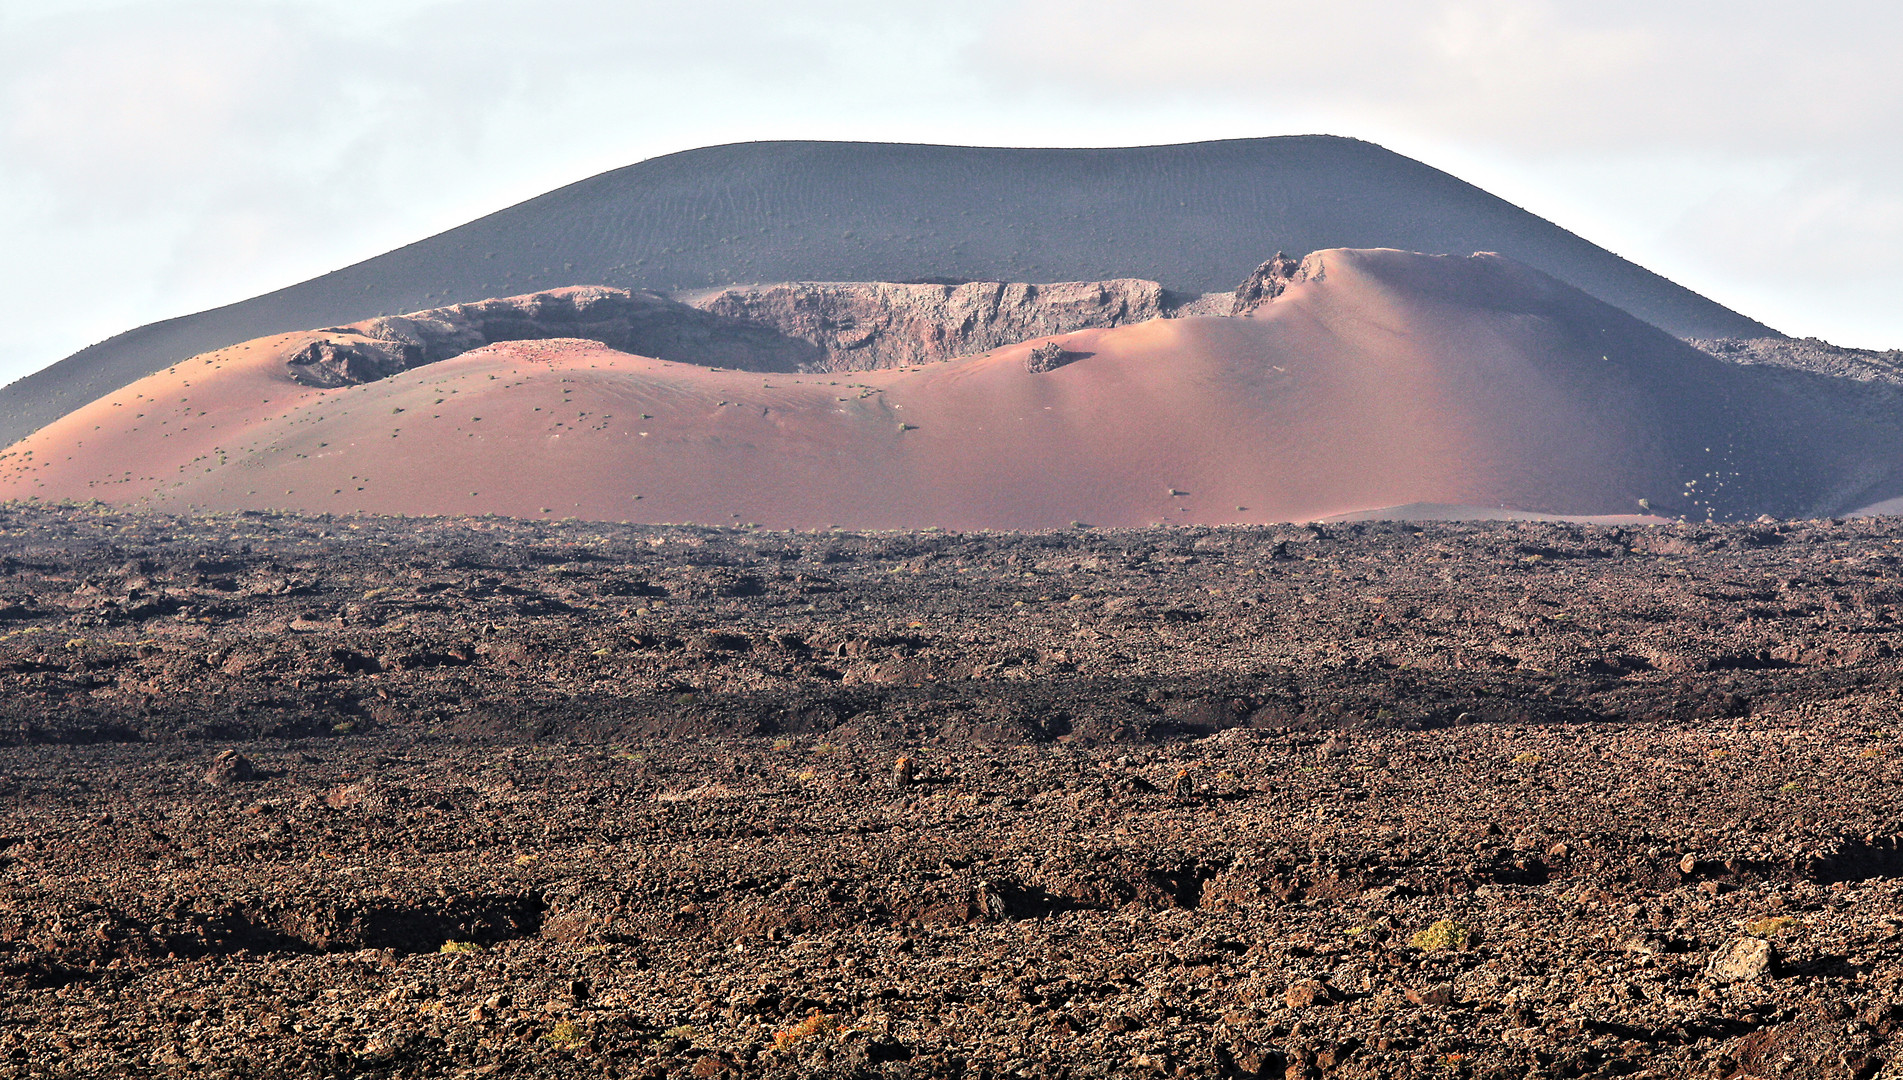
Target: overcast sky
158 157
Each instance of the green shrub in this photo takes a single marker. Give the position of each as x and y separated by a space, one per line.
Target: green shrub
566 1035
1445 935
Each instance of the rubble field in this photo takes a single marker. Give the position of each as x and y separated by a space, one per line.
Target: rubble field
310 797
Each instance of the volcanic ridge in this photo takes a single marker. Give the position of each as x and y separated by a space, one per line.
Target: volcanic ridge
1195 217
303 784
1349 382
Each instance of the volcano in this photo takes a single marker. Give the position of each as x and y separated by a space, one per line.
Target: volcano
1193 218
1339 384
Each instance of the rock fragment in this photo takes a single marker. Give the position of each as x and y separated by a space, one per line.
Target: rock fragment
1309 992
1184 786
1047 357
1438 994
353 796
990 903
230 767
1744 959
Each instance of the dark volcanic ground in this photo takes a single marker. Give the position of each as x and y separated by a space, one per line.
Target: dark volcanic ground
561 799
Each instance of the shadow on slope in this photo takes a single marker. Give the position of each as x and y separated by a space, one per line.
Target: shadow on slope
1373 379
1195 217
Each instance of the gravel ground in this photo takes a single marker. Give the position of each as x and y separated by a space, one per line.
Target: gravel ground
367 797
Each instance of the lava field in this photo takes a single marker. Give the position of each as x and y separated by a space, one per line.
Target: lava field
350 796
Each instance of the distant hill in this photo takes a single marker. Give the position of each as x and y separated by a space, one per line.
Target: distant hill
1359 380
1196 217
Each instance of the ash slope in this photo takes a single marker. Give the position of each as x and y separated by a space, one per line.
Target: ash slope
1195 217
1374 379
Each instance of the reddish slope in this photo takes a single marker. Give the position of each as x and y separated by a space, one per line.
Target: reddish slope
1383 379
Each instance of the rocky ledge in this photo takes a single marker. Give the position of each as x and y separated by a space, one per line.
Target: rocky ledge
797 326
866 326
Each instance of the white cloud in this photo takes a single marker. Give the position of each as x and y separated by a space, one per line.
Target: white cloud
1715 143
1617 73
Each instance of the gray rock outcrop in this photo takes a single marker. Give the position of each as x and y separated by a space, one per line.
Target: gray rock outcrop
862 326
638 322
1269 281
787 327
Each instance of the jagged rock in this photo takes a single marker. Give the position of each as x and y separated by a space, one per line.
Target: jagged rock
1743 960
1437 994
859 326
1809 355
350 359
787 327
1048 357
1309 992
989 904
644 323
230 767
1184 786
1272 279
1063 922
360 795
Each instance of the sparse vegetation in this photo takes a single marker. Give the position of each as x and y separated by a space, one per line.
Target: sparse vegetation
815 1026
1445 935
565 1035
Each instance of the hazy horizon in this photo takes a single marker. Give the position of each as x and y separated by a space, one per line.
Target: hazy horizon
159 157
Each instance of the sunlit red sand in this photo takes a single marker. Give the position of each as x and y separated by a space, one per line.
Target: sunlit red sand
1379 379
